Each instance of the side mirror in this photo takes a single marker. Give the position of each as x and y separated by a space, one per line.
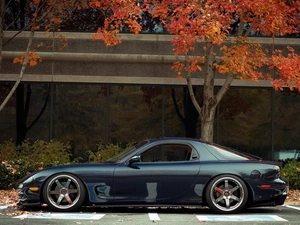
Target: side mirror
134 159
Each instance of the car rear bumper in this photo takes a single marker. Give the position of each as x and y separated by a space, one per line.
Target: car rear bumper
275 195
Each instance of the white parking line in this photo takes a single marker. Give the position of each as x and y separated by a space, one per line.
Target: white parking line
62 216
153 216
292 207
241 218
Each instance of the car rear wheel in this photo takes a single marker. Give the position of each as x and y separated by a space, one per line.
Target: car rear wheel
64 193
226 194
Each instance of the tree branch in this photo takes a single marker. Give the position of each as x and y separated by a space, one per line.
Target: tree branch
191 91
41 112
241 27
224 88
2 13
21 73
27 102
176 106
26 27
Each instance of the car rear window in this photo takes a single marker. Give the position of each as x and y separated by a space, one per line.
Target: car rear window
230 154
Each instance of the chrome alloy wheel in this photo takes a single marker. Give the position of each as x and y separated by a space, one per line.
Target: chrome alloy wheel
227 194
64 192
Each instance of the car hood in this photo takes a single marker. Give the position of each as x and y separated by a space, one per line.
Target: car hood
77 169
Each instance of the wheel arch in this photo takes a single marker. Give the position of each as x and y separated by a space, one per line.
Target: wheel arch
250 190
67 173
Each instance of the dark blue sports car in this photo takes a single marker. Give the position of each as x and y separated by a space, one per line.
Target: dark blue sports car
163 172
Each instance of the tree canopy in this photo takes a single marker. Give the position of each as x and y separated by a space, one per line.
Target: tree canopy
223 26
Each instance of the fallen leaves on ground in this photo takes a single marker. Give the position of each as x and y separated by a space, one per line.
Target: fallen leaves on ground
293 197
8 197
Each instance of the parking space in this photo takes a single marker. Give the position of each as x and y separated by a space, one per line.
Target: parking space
264 215
151 216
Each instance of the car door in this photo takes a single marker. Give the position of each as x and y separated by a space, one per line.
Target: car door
164 171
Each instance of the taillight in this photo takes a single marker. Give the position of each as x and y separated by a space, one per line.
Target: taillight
265 186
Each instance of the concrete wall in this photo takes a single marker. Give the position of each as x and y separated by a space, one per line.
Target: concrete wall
141 59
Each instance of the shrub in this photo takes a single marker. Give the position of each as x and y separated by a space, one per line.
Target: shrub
48 154
6 177
104 152
8 150
16 162
291 171
286 161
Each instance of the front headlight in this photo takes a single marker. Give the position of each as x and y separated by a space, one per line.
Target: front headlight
25 182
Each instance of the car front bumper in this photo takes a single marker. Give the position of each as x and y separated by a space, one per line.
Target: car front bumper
28 197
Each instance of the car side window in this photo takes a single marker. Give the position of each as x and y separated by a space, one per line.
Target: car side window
167 153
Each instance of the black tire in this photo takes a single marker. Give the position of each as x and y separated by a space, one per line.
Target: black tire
226 194
64 193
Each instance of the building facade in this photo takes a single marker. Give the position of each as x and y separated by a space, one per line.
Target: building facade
88 93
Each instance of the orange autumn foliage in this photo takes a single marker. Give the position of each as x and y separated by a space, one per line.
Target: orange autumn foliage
211 21
125 13
33 58
49 15
199 21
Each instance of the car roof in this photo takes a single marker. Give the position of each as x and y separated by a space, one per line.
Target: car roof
163 139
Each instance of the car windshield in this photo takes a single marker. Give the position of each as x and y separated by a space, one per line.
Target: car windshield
126 152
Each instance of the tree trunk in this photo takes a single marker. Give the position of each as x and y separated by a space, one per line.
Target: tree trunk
190 117
209 101
207 126
2 12
20 115
207 110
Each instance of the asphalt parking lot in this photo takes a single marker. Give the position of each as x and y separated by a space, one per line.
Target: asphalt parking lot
286 214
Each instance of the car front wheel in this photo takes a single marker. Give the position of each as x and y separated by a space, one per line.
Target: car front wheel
226 194
64 193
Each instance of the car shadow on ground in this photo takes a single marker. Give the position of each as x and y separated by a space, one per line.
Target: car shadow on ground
174 210
162 210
